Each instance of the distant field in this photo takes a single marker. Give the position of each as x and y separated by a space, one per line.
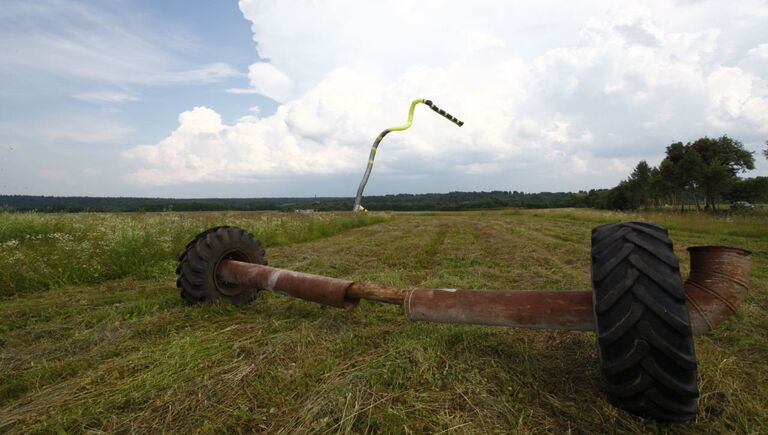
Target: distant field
94 336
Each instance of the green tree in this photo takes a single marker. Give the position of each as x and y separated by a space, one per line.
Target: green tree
706 166
691 169
722 159
639 186
765 151
754 190
619 197
662 191
681 169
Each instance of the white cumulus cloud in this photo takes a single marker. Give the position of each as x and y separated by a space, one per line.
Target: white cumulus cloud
203 148
583 90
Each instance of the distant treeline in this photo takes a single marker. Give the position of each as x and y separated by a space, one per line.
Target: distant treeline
452 201
698 174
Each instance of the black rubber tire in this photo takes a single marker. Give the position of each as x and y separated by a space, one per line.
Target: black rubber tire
643 328
198 264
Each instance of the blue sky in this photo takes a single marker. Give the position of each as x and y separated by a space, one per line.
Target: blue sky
263 98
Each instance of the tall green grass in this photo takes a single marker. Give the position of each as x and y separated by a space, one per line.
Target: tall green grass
126 356
40 251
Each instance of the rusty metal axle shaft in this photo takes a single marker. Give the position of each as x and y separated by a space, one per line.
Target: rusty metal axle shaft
717 284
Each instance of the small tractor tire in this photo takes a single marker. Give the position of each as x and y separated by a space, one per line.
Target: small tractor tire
644 336
199 263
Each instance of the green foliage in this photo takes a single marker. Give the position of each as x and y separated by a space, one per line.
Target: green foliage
705 169
452 201
40 251
722 160
754 190
639 185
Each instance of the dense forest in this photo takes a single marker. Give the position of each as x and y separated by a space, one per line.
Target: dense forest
400 202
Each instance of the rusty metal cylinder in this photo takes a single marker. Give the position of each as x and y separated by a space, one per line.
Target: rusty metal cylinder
527 309
718 282
314 288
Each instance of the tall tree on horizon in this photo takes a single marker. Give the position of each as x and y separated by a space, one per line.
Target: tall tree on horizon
639 185
662 190
681 169
707 165
723 159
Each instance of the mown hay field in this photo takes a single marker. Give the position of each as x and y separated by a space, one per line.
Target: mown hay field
95 338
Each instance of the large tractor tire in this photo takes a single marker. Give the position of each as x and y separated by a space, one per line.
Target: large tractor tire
643 329
200 261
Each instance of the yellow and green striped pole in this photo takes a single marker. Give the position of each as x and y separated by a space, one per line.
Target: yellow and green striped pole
448 116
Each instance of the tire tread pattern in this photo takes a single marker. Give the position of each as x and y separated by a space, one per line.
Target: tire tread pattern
644 331
195 272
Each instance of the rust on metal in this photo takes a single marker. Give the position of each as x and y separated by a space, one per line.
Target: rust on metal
375 292
529 309
315 288
716 285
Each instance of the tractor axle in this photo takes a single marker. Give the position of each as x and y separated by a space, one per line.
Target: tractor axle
718 282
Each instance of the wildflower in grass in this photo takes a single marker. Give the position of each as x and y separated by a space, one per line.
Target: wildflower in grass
40 251
10 244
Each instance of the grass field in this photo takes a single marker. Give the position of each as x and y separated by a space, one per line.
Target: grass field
94 336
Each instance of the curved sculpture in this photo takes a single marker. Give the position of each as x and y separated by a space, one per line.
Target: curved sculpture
446 115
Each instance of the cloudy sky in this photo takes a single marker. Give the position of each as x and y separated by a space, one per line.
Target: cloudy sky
283 98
